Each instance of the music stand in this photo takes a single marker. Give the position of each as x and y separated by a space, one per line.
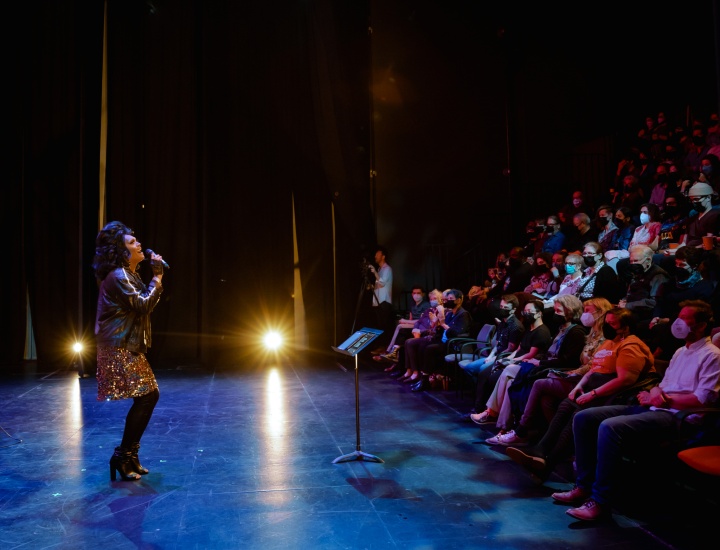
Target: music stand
352 346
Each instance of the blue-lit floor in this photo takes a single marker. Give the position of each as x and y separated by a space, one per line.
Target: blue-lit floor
244 459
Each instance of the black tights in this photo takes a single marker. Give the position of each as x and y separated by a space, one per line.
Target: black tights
138 417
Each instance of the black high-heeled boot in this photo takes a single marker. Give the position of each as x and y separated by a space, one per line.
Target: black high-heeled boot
121 461
135 461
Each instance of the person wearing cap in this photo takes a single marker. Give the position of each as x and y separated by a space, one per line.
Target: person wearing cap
706 217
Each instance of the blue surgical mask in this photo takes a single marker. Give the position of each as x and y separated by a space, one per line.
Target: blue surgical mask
433 303
570 269
644 218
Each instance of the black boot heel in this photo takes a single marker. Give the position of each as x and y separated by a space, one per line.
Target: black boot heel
121 462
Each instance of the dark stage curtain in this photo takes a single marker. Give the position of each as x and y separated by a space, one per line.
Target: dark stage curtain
220 115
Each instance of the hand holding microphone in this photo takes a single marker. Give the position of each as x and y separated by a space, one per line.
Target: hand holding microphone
157 263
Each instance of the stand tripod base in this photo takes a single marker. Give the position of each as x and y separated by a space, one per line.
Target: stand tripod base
358 455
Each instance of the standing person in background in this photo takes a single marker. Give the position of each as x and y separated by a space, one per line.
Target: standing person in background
382 298
123 336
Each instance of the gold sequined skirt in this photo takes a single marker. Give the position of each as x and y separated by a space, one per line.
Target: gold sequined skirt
122 374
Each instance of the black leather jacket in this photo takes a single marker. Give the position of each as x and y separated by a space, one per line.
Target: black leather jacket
123 310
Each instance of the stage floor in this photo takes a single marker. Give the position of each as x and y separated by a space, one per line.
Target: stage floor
243 458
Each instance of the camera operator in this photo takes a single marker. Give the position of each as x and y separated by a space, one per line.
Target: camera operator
382 298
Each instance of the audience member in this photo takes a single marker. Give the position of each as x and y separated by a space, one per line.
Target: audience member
555 241
604 218
404 327
583 231
645 281
542 277
705 220
599 279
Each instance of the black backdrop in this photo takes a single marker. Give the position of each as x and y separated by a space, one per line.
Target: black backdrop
220 115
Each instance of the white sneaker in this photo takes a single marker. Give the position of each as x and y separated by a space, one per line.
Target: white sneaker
507 439
511 439
483 418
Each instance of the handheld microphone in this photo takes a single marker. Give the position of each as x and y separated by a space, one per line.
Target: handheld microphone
149 253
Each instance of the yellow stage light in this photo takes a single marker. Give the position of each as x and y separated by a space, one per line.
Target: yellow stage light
77 347
272 340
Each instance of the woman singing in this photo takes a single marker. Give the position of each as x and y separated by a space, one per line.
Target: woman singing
122 329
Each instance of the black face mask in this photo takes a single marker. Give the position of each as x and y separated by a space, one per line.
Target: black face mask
636 269
619 222
450 304
549 229
559 319
503 314
590 261
514 263
529 317
670 211
609 332
698 205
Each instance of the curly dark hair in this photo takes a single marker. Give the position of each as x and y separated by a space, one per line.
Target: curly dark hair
110 249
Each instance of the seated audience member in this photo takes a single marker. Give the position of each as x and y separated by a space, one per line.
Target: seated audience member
508 334
705 220
622 237
579 205
599 279
558 272
403 329
583 231
645 281
547 393
604 218
660 187
542 275
555 239
535 342
563 354
674 224
422 328
428 357
605 435
517 275
574 265
710 171
618 364
647 233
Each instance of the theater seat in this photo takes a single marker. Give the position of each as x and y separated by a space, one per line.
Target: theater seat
703 459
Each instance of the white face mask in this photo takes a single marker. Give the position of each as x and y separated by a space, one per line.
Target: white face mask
577 202
587 319
680 329
644 218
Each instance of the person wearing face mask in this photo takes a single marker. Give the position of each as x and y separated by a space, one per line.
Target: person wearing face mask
555 239
547 393
583 230
661 179
604 221
574 266
622 361
403 329
645 280
563 354
508 334
604 435
535 342
542 275
622 237
647 233
578 205
710 171
517 277
598 279
705 218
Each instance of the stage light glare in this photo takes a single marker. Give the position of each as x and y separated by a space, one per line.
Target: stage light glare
272 340
77 347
